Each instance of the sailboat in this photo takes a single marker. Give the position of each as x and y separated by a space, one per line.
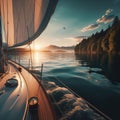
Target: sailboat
22 97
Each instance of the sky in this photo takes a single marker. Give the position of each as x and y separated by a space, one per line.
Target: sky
74 20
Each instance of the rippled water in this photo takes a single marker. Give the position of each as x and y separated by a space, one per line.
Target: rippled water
95 78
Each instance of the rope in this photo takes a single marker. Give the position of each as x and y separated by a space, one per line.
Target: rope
30 57
29 29
29 25
7 33
18 20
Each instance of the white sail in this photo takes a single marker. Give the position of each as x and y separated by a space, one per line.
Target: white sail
24 20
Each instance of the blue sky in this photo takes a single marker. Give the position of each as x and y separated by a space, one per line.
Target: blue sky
73 20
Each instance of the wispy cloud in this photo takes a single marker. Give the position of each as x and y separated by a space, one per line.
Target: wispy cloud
107 17
108 11
90 27
77 38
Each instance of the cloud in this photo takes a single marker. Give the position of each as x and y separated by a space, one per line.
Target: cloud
107 17
108 11
81 37
90 27
77 38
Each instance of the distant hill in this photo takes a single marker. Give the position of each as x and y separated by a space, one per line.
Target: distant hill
107 41
52 47
55 48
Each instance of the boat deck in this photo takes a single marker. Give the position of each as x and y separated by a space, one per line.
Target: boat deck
14 101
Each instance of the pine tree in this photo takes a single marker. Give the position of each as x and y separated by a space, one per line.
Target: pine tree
115 21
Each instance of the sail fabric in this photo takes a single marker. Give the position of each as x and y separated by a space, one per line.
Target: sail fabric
25 20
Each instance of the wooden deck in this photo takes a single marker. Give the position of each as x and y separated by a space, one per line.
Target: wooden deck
35 89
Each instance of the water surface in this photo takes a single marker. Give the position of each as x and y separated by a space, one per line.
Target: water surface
96 78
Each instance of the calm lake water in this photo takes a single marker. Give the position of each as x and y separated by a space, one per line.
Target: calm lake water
95 78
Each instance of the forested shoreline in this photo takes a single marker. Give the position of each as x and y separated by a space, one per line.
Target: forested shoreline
107 41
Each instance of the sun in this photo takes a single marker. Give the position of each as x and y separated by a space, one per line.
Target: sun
36 47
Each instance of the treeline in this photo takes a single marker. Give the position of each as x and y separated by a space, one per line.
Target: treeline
107 41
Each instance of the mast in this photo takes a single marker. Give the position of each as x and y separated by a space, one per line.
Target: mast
1 51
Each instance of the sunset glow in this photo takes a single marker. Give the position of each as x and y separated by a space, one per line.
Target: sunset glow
36 47
74 21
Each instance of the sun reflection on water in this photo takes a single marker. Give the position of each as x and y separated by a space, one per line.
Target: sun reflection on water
36 58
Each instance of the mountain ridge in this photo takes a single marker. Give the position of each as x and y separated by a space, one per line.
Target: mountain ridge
57 47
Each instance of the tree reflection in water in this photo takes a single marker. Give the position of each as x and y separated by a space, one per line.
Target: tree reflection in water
109 63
